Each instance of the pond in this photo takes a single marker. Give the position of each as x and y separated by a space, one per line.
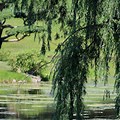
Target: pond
30 101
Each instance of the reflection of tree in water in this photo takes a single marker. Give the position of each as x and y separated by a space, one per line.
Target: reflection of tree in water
106 94
42 116
3 108
117 106
102 114
39 115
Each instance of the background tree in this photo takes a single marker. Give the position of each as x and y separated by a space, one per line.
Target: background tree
13 8
93 36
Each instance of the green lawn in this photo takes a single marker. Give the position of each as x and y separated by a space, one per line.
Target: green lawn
4 66
8 76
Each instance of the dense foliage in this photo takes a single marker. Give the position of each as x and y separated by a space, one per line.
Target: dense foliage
93 37
30 62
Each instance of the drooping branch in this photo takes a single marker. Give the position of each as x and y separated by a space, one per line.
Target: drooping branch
4 39
83 28
7 26
78 30
19 32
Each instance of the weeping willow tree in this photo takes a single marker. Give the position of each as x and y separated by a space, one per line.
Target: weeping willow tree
92 30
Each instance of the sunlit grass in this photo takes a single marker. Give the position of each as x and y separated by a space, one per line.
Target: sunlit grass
4 66
9 76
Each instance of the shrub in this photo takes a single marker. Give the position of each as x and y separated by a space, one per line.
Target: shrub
28 63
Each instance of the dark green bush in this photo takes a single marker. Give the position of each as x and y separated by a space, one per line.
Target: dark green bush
28 63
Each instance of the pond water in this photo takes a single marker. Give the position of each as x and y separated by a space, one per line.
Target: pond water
34 102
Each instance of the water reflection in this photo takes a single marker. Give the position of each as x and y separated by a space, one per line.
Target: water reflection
27 104
23 111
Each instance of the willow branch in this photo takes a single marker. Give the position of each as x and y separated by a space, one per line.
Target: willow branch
83 28
8 26
5 37
15 40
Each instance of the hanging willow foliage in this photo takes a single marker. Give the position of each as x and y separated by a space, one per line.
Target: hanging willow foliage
94 36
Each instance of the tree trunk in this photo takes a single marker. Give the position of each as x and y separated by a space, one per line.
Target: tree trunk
2 6
1 40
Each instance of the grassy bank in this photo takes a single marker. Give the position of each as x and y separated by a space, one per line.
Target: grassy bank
8 76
